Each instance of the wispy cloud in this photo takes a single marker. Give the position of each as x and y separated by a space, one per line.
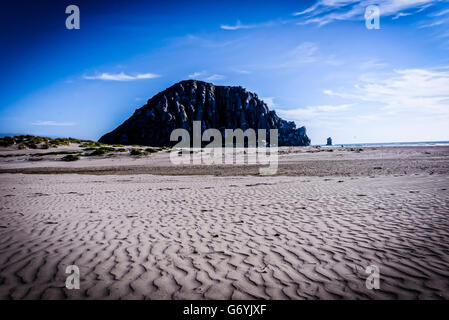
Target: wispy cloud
327 11
403 104
435 22
372 64
122 76
53 123
241 71
401 14
417 91
269 102
215 77
206 42
439 13
237 26
196 75
206 76
303 53
309 114
240 25
314 112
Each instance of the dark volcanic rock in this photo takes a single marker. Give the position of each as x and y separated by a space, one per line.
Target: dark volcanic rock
218 107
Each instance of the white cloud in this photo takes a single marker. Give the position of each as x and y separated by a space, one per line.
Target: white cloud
241 71
194 40
196 74
314 112
333 61
121 76
401 105
401 14
435 23
269 102
417 91
372 64
327 11
206 76
214 77
305 52
237 26
53 123
440 13
328 108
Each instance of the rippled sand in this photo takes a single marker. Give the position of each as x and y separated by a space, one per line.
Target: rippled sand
236 237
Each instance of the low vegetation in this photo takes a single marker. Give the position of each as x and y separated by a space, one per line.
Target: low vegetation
92 144
70 157
153 150
35 142
100 151
37 155
41 154
89 147
137 152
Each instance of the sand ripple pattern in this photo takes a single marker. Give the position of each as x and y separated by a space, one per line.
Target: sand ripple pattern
158 237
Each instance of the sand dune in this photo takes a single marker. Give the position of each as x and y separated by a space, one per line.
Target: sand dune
203 237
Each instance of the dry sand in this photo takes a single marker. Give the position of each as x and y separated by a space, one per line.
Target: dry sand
308 233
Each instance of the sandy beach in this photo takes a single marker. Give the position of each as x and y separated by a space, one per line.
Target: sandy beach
141 228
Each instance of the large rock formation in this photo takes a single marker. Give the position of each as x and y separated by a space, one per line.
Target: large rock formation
219 107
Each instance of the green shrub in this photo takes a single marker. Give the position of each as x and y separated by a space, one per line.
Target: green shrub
31 145
41 154
153 150
6 141
61 142
97 152
92 144
34 142
101 151
138 152
70 157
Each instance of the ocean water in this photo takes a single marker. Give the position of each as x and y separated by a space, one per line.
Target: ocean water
392 144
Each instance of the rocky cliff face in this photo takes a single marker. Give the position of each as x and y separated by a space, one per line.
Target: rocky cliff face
219 107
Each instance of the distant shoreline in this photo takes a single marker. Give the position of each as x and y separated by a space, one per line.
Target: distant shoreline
388 144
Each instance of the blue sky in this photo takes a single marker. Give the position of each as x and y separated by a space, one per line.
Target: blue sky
314 62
